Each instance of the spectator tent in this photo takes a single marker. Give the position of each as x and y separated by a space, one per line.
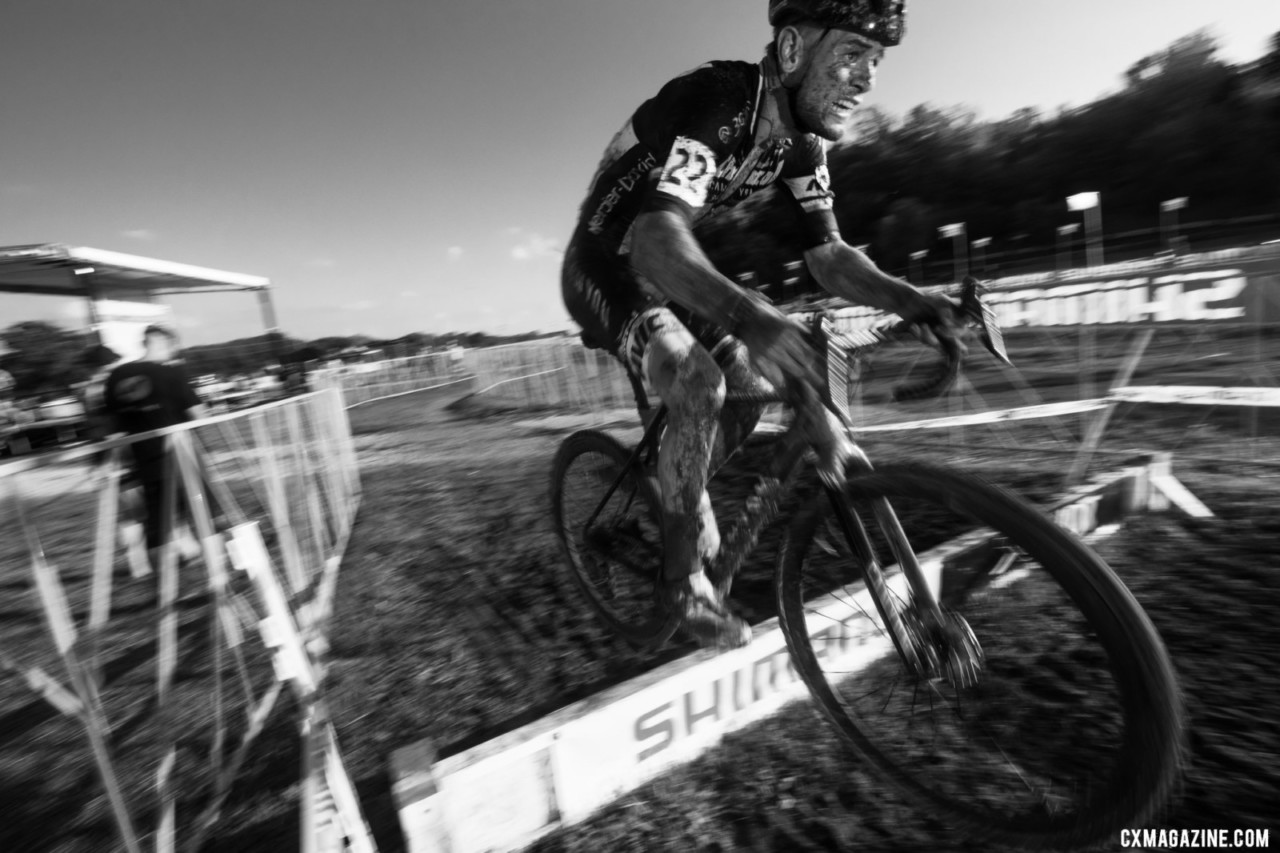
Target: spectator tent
123 291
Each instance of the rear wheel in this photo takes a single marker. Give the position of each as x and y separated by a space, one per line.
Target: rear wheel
1043 712
608 518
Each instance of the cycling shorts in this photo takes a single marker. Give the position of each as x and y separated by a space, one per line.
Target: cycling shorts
618 313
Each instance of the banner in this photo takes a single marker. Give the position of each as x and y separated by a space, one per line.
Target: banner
1240 286
1236 286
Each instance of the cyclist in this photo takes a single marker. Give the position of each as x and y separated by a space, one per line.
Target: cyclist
636 280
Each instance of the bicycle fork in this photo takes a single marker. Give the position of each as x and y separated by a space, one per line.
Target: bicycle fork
930 642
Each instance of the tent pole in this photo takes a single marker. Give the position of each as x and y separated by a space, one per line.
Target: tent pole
269 322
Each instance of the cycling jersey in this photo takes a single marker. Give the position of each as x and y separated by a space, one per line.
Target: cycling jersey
703 144
698 147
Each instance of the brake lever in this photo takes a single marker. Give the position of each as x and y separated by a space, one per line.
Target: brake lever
984 317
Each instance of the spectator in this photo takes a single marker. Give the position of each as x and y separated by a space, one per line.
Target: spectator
100 359
149 394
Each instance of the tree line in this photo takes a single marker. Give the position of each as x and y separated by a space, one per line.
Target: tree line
1184 125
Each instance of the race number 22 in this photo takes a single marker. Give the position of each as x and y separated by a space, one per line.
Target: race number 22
688 171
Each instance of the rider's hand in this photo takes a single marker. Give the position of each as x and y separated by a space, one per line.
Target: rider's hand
779 346
938 321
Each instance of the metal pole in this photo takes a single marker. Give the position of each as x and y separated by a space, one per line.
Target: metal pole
960 243
1093 228
269 321
979 247
959 234
1064 245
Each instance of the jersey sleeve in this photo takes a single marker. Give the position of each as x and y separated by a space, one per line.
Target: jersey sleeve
693 124
808 180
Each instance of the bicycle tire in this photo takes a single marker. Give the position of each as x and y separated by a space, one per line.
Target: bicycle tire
1026 558
617 563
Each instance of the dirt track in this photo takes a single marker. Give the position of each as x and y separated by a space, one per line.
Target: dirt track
455 622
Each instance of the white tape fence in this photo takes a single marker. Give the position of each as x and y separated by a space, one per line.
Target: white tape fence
363 382
164 664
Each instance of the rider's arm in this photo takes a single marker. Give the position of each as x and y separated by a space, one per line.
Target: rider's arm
845 272
665 252
839 268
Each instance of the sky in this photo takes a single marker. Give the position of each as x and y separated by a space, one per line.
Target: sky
397 166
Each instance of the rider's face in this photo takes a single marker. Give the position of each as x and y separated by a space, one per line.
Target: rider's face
841 71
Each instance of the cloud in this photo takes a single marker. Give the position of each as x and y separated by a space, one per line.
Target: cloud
532 246
361 305
454 252
322 263
145 235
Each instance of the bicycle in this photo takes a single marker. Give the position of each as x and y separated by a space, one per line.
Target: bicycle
884 637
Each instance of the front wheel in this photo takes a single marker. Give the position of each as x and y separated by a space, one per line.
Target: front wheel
1057 722
608 518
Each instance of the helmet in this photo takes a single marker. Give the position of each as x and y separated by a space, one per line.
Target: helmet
883 21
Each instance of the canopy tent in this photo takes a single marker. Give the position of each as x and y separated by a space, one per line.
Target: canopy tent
100 276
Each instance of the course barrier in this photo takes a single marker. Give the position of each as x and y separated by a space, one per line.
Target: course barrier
555 372
364 382
223 585
504 794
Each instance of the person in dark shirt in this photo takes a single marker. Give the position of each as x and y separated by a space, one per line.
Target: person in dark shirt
150 394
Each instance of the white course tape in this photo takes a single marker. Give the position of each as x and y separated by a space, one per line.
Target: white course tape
1024 413
1198 395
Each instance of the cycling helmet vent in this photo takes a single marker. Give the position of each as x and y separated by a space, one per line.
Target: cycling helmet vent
883 21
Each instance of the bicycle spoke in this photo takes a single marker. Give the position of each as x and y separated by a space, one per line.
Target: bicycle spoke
608 522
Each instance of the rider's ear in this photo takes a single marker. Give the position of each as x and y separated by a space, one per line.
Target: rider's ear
791 47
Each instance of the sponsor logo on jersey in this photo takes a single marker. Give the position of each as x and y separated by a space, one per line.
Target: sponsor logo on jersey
735 183
730 130
623 185
813 191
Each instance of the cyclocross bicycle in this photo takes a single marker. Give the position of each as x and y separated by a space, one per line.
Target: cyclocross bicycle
1006 680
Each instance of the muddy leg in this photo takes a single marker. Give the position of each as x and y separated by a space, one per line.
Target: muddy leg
691 384
737 420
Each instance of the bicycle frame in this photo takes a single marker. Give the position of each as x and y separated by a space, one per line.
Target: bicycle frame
763 506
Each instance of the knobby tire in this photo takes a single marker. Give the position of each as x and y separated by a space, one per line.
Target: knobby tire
1052 573
616 563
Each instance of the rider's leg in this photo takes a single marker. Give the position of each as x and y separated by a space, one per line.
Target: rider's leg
689 382
603 296
737 420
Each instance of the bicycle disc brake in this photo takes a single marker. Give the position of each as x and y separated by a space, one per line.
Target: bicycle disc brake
945 649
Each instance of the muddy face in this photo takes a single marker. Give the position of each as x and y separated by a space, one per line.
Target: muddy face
841 70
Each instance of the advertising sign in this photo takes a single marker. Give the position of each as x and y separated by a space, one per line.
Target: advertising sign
1238 286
